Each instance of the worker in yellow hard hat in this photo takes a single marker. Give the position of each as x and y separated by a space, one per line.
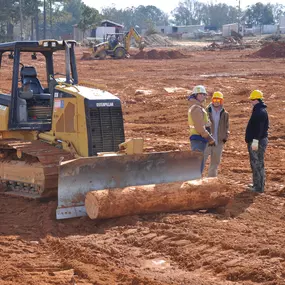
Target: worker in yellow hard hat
198 121
256 137
219 118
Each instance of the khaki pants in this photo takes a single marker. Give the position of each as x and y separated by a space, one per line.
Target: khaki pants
215 153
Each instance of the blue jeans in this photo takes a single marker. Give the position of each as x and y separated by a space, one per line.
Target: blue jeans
197 145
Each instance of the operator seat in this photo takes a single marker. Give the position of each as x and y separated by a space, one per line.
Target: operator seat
113 42
29 79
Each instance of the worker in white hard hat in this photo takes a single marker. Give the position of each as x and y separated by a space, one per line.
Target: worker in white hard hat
198 121
256 137
219 118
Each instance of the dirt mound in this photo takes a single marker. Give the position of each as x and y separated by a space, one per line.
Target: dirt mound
157 40
159 54
271 50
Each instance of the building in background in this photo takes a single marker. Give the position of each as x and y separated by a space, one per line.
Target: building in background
282 24
178 32
99 33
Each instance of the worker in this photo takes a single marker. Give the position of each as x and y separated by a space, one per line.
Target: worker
199 122
114 40
256 137
219 118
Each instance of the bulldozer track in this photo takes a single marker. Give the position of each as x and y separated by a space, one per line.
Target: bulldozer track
30 168
21 189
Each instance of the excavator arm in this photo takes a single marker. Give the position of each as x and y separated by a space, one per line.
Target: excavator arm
138 38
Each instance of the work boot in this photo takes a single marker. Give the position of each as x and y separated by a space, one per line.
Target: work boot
254 189
249 187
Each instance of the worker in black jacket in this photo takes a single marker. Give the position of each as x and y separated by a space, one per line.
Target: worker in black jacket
256 137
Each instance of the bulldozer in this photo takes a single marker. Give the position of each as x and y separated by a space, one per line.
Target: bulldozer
116 46
58 138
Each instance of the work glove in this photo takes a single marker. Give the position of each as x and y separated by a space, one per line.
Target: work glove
254 145
211 142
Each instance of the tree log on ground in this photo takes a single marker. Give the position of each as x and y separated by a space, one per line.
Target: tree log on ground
207 193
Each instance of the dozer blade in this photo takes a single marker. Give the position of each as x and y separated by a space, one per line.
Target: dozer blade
79 176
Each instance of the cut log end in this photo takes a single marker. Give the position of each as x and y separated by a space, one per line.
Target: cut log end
92 204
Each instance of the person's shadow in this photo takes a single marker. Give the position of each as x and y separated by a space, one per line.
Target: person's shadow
238 204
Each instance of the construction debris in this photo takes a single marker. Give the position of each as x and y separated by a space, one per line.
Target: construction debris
229 43
159 54
142 92
273 38
175 89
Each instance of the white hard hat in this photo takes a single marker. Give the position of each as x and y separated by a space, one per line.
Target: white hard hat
199 89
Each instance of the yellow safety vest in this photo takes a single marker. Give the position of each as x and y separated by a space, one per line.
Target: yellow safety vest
191 123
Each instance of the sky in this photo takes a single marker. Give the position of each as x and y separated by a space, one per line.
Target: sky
165 5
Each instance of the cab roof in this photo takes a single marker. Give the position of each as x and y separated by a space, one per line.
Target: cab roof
35 46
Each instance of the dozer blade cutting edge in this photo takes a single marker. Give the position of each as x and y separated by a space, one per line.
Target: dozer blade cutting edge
79 176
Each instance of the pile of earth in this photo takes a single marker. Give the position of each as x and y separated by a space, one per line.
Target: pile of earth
159 54
157 40
271 50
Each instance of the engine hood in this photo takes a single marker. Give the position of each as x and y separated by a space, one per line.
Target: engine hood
90 93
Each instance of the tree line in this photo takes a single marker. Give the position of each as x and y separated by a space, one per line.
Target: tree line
38 19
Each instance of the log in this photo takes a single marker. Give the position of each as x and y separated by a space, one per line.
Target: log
207 193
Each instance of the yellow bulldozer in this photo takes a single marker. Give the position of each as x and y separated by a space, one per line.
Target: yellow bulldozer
58 138
116 46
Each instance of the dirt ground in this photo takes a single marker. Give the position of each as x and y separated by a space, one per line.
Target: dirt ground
243 243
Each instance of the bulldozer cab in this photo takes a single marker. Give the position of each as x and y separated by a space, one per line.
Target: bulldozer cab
31 95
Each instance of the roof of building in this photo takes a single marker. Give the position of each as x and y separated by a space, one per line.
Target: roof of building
111 24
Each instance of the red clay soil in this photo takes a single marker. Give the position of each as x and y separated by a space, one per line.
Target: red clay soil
271 50
240 244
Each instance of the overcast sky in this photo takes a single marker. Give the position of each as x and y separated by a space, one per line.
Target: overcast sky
165 5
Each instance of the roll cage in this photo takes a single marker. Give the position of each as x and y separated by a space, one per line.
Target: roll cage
14 101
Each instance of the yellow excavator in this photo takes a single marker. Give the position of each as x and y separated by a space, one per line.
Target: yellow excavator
117 45
60 138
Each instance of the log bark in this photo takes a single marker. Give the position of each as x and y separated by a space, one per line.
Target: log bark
207 193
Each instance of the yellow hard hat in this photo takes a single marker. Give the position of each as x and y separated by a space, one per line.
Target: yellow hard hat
218 95
255 95
199 89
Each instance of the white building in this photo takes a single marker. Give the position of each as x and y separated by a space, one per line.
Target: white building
178 31
282 24
227 29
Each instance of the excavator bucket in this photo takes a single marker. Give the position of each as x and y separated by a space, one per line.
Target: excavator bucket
79 176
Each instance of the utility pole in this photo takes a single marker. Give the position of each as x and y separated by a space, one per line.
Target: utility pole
45 19
21 19
50 18
238 16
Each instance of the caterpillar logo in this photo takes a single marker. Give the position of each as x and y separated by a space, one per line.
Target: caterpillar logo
105 104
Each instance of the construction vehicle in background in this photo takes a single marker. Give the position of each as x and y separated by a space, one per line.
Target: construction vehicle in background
116 46
64 139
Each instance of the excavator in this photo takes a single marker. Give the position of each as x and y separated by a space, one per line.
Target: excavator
117 45
59 138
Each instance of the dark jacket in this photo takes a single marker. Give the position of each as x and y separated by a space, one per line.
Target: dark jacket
258 124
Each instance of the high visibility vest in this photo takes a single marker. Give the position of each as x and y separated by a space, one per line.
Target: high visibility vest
191 123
